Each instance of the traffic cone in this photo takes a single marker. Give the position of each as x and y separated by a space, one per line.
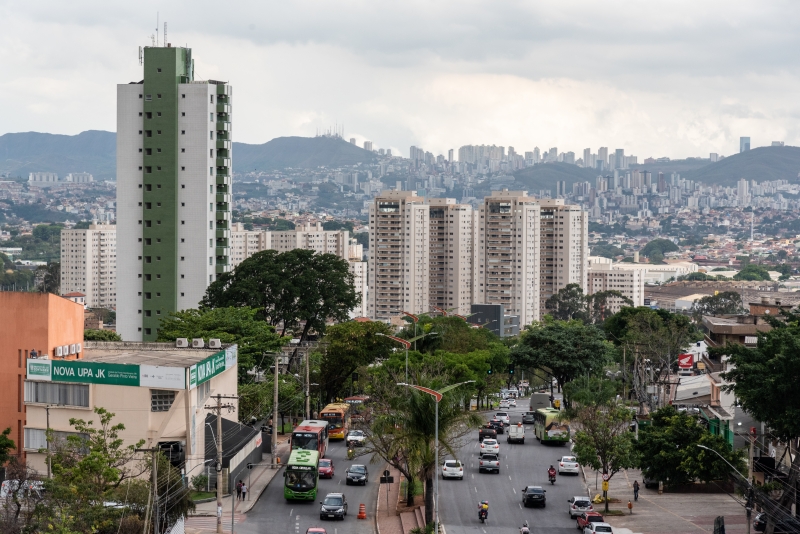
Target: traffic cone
362 511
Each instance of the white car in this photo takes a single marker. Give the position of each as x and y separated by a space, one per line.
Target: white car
512 403
503 416
356 437
597 528
578 505
568 464
504 404
453 469
489 446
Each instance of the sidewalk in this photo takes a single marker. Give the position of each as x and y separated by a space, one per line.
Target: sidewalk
666 513
386 519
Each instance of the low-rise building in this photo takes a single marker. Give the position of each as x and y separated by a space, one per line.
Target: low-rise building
605 276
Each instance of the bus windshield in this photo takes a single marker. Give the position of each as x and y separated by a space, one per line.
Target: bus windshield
334 419
305 441
300 480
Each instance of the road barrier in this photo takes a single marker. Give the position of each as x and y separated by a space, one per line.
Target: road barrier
362 511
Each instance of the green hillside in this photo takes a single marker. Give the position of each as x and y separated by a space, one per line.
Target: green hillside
546 175
764 163
93 151
298 152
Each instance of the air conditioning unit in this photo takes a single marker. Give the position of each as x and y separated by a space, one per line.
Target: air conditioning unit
181 342
72 349
59 351
65 350
214 344
77 348
198 343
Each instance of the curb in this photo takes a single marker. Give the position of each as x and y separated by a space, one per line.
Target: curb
378 505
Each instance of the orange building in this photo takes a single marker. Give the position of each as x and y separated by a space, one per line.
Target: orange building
40 322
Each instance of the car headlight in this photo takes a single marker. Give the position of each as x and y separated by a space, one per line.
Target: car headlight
340 511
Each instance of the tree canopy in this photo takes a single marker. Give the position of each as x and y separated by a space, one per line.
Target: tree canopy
659 246
753 272
570 303
727 302
91 334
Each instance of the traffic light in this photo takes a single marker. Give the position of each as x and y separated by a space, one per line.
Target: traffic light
511 369
489 371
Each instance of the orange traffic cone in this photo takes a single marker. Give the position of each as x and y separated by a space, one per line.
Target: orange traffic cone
362 511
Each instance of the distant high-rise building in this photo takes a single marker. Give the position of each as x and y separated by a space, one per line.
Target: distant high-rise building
368 145
173 190
777 143
619 158
42 177
89 264
602 155
714 157
353 141
744 144
416 154
450 156
569 157
537 156
79 177
743 192
552 154
389 152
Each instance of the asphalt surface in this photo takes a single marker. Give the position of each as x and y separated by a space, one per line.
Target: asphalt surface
520 465
273 513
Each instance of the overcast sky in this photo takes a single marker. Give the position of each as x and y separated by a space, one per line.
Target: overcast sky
676 78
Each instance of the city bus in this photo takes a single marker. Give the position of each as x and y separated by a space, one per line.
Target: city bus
311 436
359 410
337 415
539 400
301 476
547 427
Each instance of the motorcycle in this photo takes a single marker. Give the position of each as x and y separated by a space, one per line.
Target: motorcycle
482 515
552 479
351 453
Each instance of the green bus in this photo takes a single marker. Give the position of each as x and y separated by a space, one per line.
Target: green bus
301 475
547 427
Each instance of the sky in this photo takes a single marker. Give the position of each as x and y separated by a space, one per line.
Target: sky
656 78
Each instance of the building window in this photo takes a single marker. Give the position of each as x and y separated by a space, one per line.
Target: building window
183 113
183 132
148 133
148 98
183 168
35 438
158 70
147 331
183 96
55 393
182 294
159 96
183 150
147 296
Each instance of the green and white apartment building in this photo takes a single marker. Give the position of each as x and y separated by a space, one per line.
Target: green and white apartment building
173 190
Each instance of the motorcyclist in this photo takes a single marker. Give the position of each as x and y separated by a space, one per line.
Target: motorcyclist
524 528
551 473
483 508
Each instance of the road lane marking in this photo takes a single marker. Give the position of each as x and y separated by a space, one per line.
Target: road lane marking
290 512
476 489
520 506
515 490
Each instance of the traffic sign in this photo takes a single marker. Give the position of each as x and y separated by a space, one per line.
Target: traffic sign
606 477
386 473
387 480
605 485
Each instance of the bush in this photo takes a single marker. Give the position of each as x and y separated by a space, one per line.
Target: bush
200 482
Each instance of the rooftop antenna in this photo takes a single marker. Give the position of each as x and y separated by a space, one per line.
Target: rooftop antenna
165 34
156 28
140 56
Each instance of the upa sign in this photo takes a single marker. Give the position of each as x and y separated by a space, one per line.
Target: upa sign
210 367
685 361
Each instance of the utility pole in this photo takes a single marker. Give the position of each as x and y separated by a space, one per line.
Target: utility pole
308 385
275 414
155 515
218 410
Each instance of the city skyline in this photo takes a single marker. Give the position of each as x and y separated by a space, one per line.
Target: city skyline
577 76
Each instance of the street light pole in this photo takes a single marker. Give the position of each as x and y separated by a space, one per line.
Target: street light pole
749 503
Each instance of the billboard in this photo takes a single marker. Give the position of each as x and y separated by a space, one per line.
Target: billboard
113 374
685 361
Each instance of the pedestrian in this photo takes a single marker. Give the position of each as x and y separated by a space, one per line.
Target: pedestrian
635 490
239 490
244 491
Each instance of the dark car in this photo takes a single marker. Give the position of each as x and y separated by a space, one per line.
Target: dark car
334 506
498 425
527 418
785 525
487 432
357 474
533 496
649 482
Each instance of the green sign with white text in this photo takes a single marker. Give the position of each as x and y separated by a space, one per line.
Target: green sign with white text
207 369
94 373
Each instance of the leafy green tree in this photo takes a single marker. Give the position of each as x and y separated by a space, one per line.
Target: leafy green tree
727 302
567 304
289 289
337 225
452 334
567 349
658 246
602 438
668 450
599 304
238 325
764 380
6 444
100 335
753 272
49 278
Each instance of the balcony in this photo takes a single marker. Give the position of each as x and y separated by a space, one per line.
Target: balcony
223 144
222 251
223 225
223 197
223 89
223 180
223 234
223 126
223 108
219 269
223 162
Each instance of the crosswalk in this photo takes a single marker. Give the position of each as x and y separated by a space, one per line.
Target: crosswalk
209 523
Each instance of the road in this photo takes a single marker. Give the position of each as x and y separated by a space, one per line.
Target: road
272 513
520 465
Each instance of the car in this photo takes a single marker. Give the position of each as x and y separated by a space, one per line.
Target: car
578 505
516 434
487 432
357 474
356 437
588 517
503 416
333 507
533 496
325 468
784 525
512 403
316 530
648 482
597 528
568 464
489 446
528 418
504 404
498 425
489 462
452 469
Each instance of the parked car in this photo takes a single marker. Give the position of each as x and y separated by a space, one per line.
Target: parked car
516 434
453 469
487 432
356 437
649 482
598 528
325 468
334 506
498 425
489 462
357 474
533 496
503 416
578 505
588 517
527 418
489 446
568 464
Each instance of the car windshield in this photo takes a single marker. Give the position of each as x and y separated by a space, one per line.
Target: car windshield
305 441
324 463
568 459
358 469
490 457
357 433
594 519
490 442
333 501
451 463
582 504
602 528
501 414
535 490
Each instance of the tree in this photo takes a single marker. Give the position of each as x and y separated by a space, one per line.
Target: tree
753 272
725 303
658 246
6 444
668 450
602 438
100 335
764 380
238 325
18 509
49 277
289 289
568 303
452 334
599 304
567 349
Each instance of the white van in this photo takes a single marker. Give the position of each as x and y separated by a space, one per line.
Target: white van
516 433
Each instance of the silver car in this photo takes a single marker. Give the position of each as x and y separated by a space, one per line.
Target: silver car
568 464
578 505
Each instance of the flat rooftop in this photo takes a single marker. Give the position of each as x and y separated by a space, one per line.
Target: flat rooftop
158 354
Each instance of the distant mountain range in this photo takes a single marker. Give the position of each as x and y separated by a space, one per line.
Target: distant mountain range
94 152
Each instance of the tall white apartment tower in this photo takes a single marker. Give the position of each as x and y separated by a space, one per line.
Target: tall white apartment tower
89 264
399 244
506 252
173 190
564 248
451 255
